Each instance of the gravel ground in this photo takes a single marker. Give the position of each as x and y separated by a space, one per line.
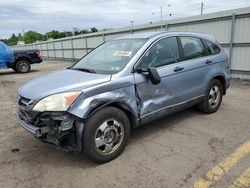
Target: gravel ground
173 152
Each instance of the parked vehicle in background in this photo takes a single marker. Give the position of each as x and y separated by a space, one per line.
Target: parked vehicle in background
24 58
6 56
18 60
122 84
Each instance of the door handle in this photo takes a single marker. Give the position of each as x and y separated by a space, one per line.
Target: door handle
177 69
208 61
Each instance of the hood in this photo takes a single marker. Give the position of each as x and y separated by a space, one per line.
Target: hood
60 81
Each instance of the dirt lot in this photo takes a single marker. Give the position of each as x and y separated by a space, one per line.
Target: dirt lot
184 150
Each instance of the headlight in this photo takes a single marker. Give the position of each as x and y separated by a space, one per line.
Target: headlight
57 102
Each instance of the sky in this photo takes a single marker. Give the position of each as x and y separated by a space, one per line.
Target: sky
18 16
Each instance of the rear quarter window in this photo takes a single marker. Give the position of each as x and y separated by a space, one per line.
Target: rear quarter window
211 48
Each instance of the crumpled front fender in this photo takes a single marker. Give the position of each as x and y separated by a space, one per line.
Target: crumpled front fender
125 96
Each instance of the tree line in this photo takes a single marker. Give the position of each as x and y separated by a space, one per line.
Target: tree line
33 36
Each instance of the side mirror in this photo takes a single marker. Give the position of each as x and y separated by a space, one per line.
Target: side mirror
154 75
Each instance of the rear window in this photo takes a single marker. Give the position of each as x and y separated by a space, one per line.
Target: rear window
211 48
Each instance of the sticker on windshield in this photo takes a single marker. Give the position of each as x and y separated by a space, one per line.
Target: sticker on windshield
122 53
115 68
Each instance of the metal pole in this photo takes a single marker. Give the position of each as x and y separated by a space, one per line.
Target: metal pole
86 44
166 26
131 26
41 49
161 16
62 49
83 41
73 55
103 37
47 46
202 7
54 49
231 40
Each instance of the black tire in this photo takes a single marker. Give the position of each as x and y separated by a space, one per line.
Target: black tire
92 129
205 106
22 66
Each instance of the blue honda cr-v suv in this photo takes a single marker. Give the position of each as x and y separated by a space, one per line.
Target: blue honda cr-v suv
122 84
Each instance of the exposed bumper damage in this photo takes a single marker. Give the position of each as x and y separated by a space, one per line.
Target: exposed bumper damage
59 128
64 129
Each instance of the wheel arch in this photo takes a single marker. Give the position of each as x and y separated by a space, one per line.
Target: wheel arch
222 79
120 105
25 58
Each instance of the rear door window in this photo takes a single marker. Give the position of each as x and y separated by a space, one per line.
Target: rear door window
192 47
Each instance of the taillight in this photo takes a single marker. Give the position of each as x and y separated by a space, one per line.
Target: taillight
38 53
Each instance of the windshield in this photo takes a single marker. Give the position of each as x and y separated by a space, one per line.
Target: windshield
111 57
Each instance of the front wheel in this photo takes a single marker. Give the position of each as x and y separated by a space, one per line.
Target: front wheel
106 134
22 66
213 98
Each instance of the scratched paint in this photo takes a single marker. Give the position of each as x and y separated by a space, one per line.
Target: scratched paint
212 176
243 181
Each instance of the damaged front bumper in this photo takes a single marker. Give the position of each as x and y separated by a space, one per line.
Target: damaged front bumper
59 128
35 131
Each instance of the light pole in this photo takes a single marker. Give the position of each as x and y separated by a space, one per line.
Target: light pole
202 7
160 13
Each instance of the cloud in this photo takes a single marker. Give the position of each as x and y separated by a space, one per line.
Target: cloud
45 15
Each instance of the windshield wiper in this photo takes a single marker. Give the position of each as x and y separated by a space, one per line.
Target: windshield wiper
85 70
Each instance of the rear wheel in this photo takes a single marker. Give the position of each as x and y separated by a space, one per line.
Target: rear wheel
22 66
213 98
106 134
